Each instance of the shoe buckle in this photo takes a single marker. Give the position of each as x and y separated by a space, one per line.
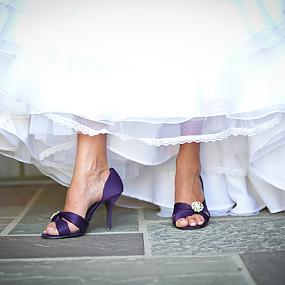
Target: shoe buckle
54 214
197 206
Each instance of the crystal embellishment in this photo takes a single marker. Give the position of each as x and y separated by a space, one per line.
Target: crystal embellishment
54 214
197 206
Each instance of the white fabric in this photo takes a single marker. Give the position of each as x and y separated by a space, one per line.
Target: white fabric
152 74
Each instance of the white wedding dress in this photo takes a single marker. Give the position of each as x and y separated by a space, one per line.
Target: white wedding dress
151 74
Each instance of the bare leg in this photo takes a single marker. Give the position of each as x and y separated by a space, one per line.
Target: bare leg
187 182
90 174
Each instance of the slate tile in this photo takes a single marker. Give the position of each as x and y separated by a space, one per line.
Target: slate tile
9 167
31 170
16 195
219 237
52 200
133 271
4 222
88 245
261 215
13 199
151 215
124 220
266 267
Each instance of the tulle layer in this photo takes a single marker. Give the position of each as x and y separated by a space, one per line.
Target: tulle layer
241 173
150 87
137 59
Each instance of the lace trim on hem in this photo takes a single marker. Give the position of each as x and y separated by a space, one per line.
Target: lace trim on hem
60 147
170 141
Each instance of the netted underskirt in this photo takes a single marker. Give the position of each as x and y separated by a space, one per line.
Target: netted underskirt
152 78
240 165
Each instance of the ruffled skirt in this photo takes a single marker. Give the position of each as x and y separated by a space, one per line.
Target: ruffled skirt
152 75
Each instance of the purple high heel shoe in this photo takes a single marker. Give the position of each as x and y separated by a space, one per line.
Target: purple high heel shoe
112 190
183 210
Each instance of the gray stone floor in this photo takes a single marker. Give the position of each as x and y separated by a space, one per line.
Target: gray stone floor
141 248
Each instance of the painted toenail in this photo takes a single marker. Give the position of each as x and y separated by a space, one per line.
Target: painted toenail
192 224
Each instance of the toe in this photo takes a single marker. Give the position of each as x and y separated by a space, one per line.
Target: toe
51 229
192 221
181 223
199 219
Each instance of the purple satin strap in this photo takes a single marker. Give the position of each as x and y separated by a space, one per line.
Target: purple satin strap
183 210
75 219
62 227
182 214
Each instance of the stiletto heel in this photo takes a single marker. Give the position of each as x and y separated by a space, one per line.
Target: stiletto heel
109 205
112 190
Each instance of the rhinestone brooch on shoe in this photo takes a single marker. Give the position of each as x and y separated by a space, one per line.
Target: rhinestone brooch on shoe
53 215
197 206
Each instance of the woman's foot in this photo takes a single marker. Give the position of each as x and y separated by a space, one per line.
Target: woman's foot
188 187
82 193
91 171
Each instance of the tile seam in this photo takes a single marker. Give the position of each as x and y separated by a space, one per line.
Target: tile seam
221 219
27 183
18 218
245 272
88 234
131 257
32 259
143 230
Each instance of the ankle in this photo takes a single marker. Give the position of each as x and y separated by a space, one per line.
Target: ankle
99 170
85 189
90 174
192 168
94 167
